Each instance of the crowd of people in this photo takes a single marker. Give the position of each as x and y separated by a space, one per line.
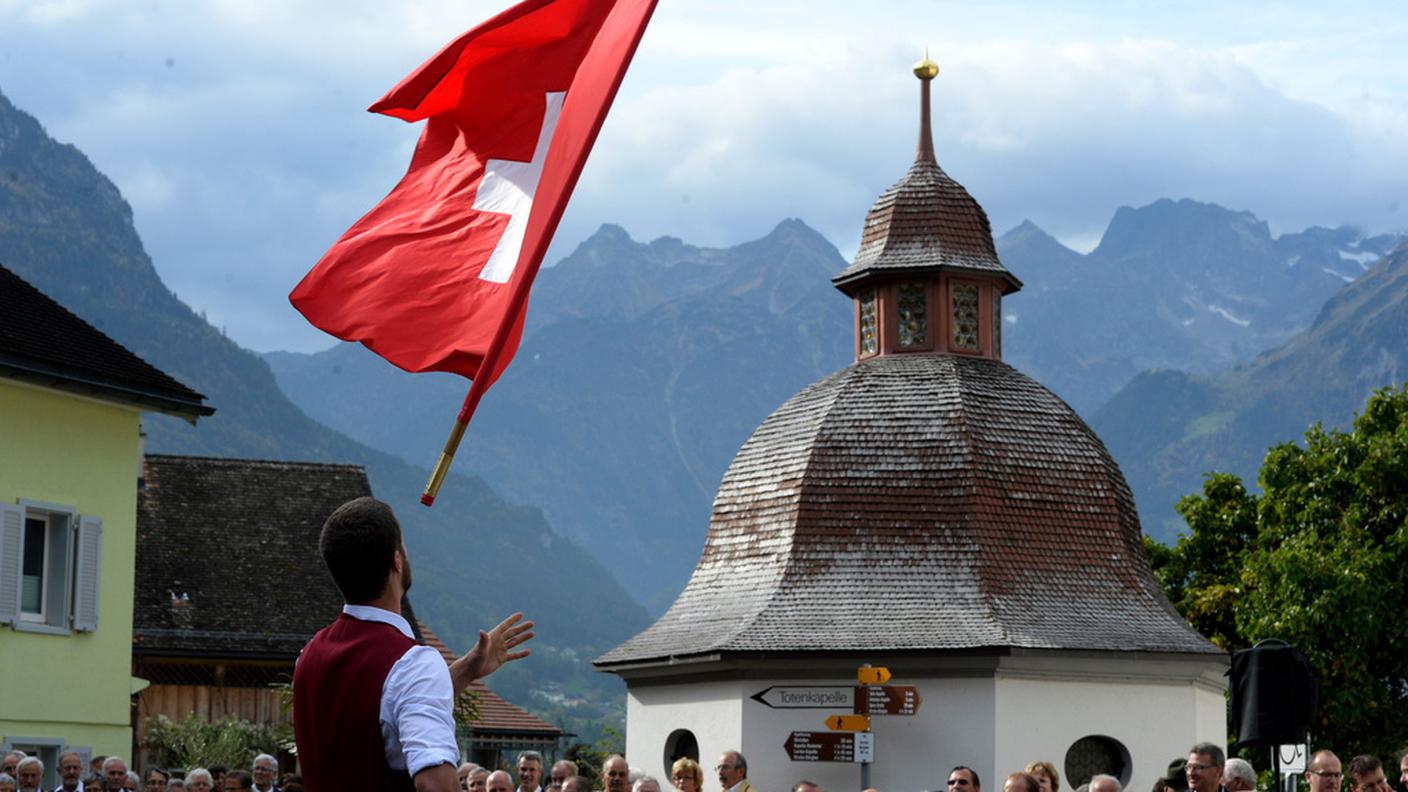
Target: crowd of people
21 773
1206 769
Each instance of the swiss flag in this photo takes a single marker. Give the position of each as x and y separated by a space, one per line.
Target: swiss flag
436 276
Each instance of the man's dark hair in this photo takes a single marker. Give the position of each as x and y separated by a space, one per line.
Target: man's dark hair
740 763
1361 765
577 784
358 543
161 771
1211 751
243 778
973 774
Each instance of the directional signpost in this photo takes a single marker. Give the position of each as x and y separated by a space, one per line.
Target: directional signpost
872 676
814 697
886 700
850 738
850 723
830 746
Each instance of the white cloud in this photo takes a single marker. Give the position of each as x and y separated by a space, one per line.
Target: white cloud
237 128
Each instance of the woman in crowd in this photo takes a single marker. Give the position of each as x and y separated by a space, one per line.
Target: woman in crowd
687 775
1046 775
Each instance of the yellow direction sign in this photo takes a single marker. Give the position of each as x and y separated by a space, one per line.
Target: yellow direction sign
852 723
872 676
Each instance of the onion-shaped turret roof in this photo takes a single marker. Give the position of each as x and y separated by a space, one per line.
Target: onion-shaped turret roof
925 222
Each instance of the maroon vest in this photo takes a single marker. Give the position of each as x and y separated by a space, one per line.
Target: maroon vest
337 706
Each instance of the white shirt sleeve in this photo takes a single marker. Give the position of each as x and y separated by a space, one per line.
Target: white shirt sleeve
417 712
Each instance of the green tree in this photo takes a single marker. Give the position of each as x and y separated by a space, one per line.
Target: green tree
194 742
1319 559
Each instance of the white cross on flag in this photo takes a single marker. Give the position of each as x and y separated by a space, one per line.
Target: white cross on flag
435 277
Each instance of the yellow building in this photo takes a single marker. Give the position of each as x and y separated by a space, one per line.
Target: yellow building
71 401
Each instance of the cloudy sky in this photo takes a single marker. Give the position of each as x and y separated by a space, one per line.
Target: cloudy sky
237 128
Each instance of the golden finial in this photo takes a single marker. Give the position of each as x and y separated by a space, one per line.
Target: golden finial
926 69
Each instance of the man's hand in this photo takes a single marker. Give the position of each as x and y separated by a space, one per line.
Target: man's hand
493 649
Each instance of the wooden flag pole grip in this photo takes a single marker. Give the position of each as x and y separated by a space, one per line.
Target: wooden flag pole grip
442 465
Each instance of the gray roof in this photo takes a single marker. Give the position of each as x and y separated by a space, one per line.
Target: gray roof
227 555
44 343
920 502
925 222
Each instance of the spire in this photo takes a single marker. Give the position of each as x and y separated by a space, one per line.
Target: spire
926 70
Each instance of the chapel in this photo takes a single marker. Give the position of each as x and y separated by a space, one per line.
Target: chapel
931 510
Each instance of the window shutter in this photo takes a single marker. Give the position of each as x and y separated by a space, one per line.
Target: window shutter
11 530
87 563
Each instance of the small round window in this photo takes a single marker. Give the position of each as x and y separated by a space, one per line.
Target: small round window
681 744
1097 755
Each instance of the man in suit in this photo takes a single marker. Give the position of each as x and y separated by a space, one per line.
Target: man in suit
530 771
562 770
733 773
615 774
71 772
29 773
265 772
1204 770
1366 774
964 779
1323 772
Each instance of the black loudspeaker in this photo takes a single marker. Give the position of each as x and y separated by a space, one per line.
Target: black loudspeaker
1275 695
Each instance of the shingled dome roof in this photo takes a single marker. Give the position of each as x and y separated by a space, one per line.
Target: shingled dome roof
919 502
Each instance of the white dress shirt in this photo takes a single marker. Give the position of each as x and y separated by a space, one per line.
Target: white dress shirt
417 702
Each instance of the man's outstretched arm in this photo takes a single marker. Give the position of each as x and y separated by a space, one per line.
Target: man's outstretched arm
493 649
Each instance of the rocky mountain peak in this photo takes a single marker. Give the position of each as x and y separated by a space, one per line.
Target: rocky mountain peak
1185 225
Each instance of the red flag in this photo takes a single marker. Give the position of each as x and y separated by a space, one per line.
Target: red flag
436 276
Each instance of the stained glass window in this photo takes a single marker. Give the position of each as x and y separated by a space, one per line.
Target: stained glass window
869 338
965 317
997 323
914 315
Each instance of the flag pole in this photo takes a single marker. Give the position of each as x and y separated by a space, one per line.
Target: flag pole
476 391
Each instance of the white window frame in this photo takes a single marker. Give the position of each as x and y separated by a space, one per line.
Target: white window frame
64 608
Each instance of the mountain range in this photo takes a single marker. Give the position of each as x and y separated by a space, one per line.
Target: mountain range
1168 428
65 228
1175 284
644 366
